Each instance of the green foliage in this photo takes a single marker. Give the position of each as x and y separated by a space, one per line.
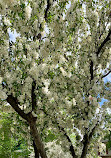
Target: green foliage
50 17
50 137
12 144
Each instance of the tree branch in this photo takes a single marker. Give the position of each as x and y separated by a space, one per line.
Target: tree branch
86 141
33 96
93 130
104 42
47 9
14 103
71 145
85 146
65 134
91 70
106 74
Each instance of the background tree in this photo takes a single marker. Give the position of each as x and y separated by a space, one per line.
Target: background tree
52 75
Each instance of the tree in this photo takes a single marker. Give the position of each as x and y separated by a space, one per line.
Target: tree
52 75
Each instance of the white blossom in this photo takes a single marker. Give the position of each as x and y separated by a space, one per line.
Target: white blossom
3 95
28 11
90 98
74 101
7 21
63 71
1 80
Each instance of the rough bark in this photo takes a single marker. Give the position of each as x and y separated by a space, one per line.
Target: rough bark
85 146
36 137
35 150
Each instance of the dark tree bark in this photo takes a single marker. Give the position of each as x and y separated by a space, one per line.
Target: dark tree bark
85 146
61 129
35 135
103 43
35 150
33 96
71 148
47 9
91 70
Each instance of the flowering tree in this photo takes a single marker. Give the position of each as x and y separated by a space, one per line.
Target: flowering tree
52 75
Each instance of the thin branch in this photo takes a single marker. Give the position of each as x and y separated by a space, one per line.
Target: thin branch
47 9
33 96
65 134
104 28
104 42
106 74
66 57
71 145
93 130
91 70
14 103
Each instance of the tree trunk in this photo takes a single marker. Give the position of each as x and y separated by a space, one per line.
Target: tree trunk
84 153
85 147
35 150
36 137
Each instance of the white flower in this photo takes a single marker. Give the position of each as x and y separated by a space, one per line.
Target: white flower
3 95
41 19
76 64
89 38
90 98
47 82
8 2
63 71
1 80
21 98
44 68
35 24
35 55
34 72
6 21
20 46
35 115
74 101
28 11
46 91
